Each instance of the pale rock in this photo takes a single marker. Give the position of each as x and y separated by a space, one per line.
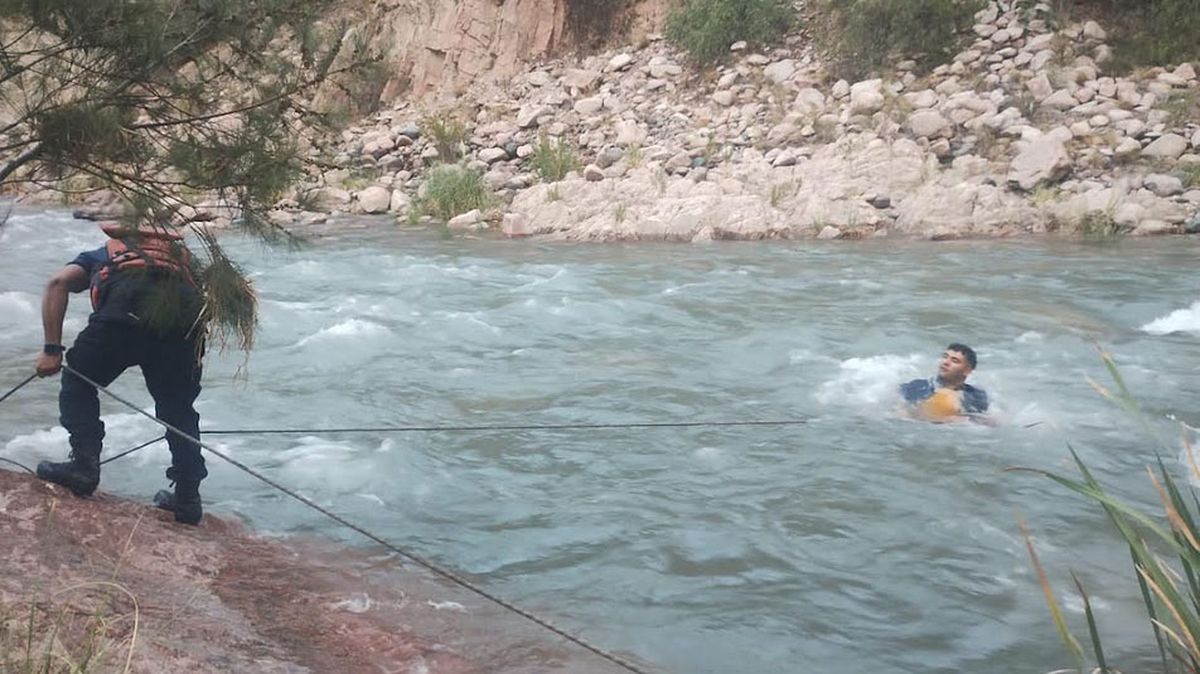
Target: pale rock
1154 228
1128 147
593 173
665 71
400 203
1172 80
1040 160
1093 31
374 199
468 220
757 60
810 102
840 90
928 124
1061 133
1000 37
1163 185
723 98
1134 128
780 71
1168 146
1039 86
866 97
630 133
728 79
1186 72
1103 53
583 80
515 225
940 147
926 98
525 151
1107 87
1099 121
332 198
1128 214
1022 59
1196 139
539 78
1118 115
987 15
1127 93
740 45
984 29
829 232
656 84
1084 94
1039 42
529 114
618 63
1040 60
1192 197
1148 100
1060 100
589 106
492 155
949 87
1080 129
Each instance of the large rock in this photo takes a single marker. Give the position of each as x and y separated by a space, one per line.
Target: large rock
466 221
630 132
811 102
1169 146
780 71
583 80
1043 159
589 106
1040 87
1163 185
374 199
929 124
866 97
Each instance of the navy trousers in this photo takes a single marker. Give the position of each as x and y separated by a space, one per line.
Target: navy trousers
171 367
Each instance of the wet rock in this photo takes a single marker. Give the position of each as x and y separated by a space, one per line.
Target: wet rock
829 232
466 221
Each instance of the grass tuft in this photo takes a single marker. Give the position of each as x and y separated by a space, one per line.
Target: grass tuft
450 191
554 159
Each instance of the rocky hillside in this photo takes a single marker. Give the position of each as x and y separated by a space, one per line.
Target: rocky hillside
1021 133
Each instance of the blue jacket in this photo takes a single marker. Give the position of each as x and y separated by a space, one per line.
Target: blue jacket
974 400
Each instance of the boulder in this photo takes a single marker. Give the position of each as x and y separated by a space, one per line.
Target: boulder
515 225
723 98
589 106
829 232
1168 146
593 173
468 220
810 101
1040 87
780 71
866 97
1043 159
928 124
492 155
374 199
400 203
1163 185
618 63
578 78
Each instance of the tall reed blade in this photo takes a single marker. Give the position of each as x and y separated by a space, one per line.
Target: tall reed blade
1056 614
1091 620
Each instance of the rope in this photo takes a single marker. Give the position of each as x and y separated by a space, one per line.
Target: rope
18 465
501 427
131 451
18 387
462 582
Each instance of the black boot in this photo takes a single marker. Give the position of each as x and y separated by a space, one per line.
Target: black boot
80 474
184 502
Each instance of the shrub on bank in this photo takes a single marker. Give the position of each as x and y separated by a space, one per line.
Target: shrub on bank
706 28
863 35
450 191
554 159
1153 32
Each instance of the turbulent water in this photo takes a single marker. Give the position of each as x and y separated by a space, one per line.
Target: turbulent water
855 543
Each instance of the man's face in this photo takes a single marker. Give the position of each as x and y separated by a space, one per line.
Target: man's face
954 367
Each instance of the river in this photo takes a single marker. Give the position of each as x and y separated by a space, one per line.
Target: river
857 542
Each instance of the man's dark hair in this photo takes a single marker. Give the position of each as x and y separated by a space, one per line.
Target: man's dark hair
966 351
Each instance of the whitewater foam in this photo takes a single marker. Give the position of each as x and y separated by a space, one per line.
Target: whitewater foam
349 328
868 382
1180 320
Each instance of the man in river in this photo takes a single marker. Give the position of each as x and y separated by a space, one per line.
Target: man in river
145 305
948 396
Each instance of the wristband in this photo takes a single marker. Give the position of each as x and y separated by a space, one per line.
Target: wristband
53 349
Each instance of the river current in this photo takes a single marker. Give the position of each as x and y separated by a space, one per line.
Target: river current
857 542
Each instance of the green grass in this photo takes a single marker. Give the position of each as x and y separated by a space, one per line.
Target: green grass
1151 32
449 191
1164 546
706 28
447 133
863 36
1190 175
361 178
1182 107
1100 225
554 159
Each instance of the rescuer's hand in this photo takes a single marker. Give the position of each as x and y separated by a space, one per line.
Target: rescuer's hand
48 365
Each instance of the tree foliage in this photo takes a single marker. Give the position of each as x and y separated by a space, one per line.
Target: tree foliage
165 103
